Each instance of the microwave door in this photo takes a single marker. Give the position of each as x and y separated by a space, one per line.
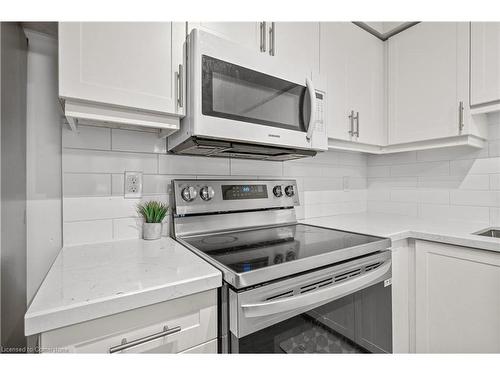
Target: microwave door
233 92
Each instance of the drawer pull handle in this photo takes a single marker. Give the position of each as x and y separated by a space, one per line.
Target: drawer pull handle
127 345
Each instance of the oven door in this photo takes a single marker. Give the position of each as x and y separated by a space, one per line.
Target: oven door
238 96
340 309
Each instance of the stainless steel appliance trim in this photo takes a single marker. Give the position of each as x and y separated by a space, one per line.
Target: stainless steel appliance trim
188 226
312 118
217 204
127 345
241 324
291 303
277 271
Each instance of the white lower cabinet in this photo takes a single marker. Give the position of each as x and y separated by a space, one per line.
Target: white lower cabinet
192 321
457 297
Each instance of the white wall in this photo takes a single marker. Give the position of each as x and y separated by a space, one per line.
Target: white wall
457 183
95 159
43 159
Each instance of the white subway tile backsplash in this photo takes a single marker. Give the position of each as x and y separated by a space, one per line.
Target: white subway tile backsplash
379 195
494 148
193 165
392 182
241 167
86 184
469 191
396 208
495 217
127 228
494 181
436 196
460 213
437 168
87 137
379 171
475 198
477 166
93 192
87 232
90 161
404 195
137 141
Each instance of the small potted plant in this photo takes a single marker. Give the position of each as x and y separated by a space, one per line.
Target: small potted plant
153 213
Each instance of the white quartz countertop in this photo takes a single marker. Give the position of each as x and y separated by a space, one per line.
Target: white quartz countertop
399 227
91 281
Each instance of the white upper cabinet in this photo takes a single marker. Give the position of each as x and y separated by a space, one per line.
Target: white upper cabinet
247 34
296 44
485 63
428 81
352 63
111 71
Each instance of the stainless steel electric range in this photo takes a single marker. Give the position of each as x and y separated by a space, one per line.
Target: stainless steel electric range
288 287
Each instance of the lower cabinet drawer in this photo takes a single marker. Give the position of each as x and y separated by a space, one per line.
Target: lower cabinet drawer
168 327
206 348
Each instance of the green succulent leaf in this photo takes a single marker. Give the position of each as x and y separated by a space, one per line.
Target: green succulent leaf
152 211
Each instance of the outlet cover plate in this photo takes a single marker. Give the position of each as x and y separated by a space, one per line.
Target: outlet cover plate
133 184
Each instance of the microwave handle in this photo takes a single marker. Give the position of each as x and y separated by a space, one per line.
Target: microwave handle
322 295
312 118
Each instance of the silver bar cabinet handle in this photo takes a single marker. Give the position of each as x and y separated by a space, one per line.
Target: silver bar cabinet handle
180 89
263 36
127 345
351 123
272 39
461 116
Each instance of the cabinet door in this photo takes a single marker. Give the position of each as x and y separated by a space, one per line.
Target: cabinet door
244 33
457 299
485 62
352 63
128 64
297 45
373 314
427 78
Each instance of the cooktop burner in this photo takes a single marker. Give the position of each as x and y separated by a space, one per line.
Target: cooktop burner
248 250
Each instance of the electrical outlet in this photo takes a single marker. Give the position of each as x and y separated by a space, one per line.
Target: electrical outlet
133 185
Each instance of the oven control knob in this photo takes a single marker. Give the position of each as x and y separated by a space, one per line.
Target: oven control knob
277 191
207 193
289 191
188 193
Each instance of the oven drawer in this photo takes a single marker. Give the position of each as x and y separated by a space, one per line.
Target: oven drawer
258 308
167 327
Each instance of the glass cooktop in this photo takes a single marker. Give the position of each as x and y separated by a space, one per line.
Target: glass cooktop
244 251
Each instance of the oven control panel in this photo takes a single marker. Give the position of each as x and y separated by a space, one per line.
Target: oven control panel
204 196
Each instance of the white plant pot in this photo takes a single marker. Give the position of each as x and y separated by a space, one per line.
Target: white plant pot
151 231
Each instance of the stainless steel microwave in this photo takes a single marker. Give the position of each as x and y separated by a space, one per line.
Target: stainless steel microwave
242 104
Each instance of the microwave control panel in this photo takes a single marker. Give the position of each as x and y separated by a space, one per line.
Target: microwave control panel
320 104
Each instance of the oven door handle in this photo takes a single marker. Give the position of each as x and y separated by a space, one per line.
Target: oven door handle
312 117
288 304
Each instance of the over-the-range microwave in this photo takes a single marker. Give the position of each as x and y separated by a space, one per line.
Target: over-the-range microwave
246 104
